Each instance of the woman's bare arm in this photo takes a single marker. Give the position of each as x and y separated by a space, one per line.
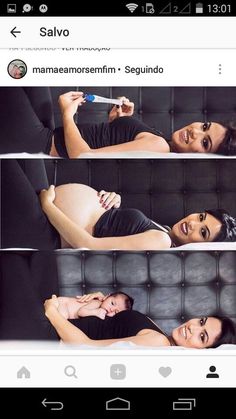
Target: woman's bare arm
69 103
77 237
73 335
65 329
145 141
75 144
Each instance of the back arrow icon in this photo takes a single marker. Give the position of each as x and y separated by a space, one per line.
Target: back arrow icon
55 405
13 31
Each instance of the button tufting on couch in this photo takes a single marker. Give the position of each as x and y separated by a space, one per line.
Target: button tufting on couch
168 287
165 190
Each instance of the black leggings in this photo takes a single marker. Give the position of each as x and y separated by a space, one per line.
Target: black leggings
25 282
23 223
26 120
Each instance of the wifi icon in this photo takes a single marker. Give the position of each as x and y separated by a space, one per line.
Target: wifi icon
132 7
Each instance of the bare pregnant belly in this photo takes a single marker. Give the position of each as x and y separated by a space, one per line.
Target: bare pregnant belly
81 204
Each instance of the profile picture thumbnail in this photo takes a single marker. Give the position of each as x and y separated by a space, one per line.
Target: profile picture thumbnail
17 69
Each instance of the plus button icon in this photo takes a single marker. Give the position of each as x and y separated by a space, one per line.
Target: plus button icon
118 371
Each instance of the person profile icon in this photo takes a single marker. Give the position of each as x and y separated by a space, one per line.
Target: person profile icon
17 69
212 373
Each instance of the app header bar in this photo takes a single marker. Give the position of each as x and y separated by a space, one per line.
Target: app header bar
118 32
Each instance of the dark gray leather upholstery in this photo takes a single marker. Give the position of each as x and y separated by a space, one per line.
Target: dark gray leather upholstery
170 287
164 108
165 190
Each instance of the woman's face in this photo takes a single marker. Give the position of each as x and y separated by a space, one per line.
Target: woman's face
198 333
198 137
195 228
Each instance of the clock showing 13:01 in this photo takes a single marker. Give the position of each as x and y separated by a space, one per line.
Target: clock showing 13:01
219 8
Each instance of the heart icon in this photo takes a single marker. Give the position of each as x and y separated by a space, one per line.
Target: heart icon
165 371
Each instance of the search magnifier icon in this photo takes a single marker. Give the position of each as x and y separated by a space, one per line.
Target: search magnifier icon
70 371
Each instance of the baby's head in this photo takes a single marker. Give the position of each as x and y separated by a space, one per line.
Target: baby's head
116 302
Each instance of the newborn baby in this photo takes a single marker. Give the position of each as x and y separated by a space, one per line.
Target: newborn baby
99 306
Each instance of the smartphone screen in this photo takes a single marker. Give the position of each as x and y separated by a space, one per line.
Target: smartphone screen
118 208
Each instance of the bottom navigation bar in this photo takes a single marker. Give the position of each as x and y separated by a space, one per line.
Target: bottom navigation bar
117 370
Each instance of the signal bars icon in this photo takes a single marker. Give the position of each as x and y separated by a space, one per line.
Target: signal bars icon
132 7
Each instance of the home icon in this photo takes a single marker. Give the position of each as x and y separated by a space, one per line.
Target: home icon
117 404
23 373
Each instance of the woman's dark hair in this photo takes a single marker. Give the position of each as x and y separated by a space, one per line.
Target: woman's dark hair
228 332
228 230
129 301
228 145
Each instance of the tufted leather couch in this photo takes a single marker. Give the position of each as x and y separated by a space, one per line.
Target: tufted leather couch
164 108
165 190
168 287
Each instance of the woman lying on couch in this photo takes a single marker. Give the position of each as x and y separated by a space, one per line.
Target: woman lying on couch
128 228
133 326
74 215
22 317
27 125
125 133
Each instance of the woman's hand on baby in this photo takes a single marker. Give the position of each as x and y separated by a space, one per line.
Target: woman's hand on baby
69 103
126 109
50 304
109 200
47 196
89 297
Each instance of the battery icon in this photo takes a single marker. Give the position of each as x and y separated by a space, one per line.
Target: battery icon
199 8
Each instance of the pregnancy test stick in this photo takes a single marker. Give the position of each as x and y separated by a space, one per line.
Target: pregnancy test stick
100 99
